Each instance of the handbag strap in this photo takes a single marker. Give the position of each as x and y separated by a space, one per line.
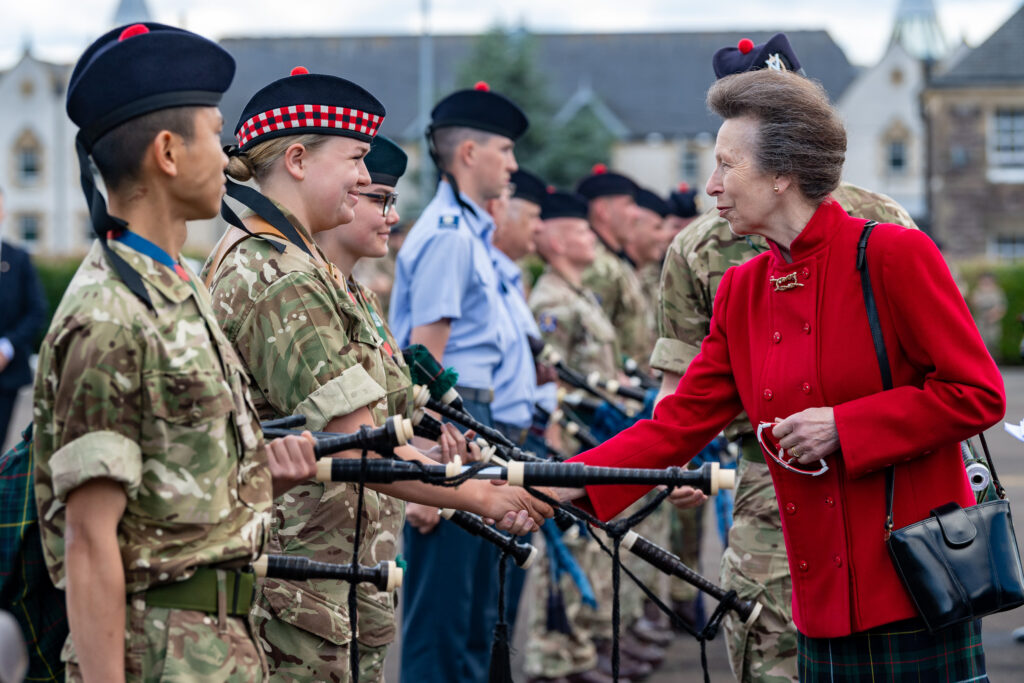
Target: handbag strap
883 356
886 372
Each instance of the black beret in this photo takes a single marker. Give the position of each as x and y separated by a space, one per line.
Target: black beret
309 103
141 68
603 183
776 53
386 161
563 205
652 202
683 202
480 109
529 187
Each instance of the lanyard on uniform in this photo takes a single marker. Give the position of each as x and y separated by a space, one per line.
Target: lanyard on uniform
377 321
147 248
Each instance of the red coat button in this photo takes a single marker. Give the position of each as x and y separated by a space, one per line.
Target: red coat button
807 328
803 566
768 394
838 560
805 387
790 508
805 273
777 337
830 502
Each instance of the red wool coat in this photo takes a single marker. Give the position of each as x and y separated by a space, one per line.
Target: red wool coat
775 353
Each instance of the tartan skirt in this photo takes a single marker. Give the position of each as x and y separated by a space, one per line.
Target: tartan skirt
900 651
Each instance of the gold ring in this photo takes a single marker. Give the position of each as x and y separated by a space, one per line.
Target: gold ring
795 452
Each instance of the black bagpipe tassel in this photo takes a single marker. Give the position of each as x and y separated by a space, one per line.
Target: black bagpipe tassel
557 617
501 658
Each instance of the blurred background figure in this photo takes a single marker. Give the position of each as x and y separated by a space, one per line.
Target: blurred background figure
988 306
22 315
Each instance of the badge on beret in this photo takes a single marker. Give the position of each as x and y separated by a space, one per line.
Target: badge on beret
449 221
548 322
775 63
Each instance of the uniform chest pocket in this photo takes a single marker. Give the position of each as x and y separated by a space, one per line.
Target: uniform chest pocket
190 471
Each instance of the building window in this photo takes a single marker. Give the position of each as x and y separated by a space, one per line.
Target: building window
29 229
896 160
1008 139
1008 247
28 160
691 165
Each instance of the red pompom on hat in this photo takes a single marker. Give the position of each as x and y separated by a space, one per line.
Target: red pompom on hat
552 189
482 86
599 169
684 186
132 31
745 45
299 71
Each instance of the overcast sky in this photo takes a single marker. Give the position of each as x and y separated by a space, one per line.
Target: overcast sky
60 29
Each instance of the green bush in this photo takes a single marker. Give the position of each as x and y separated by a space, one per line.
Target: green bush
1011 279
55 274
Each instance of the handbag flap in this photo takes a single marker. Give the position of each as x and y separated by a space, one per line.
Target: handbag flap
957 528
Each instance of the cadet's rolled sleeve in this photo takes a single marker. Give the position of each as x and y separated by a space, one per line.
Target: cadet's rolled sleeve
672 355
349 391
442 272
97 455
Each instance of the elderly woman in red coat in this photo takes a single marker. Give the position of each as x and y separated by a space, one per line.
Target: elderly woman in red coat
791 345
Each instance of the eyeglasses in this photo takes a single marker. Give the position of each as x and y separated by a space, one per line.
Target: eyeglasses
385 200
785 460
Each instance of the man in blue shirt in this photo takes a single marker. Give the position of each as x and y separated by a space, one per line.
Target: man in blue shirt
447 296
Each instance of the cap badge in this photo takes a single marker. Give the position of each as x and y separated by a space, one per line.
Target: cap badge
775 63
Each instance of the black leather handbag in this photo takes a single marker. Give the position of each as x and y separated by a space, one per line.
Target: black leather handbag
958 564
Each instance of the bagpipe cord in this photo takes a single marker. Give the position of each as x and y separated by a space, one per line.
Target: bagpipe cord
616 530
353 644
501 666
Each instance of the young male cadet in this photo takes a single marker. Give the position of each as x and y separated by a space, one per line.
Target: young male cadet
447 297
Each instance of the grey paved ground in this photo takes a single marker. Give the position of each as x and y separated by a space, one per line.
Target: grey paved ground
1005 657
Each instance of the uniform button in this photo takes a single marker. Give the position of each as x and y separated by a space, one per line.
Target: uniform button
790 508
768 394
830 502
838 560
805 387
805 273
777 337
803 566
807 328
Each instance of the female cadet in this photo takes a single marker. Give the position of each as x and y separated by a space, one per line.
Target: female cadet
287 311
367 237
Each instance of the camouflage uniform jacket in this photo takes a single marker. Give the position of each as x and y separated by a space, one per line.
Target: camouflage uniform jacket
617 287
306 348
572 322
156 401
695 263
377 608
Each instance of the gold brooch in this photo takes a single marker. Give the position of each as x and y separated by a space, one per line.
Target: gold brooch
785 282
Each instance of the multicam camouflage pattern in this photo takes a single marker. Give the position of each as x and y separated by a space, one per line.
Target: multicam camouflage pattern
157 402
371 663
553 654
754 565
694 266
618 290
684 541
572 322
308 350
182 645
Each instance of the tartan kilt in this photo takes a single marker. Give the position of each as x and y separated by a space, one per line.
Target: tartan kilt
900 651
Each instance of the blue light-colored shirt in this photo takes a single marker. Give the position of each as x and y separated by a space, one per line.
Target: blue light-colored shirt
445 270
515 382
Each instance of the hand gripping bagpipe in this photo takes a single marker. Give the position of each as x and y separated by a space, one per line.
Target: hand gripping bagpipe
384 439
515 470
